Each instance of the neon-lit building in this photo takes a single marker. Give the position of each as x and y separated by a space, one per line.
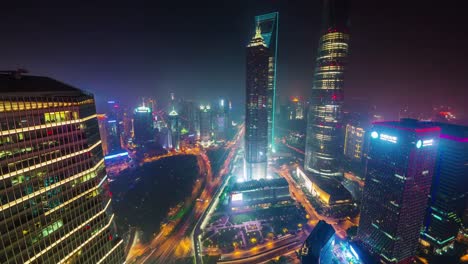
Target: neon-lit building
400 166
262 193
206 124
329 192
188 118
449 188
114 127
338 251
175 128
296 109
256 112
143 125
102 123
315 242
324 120
221 124
354 143
55 204
268 24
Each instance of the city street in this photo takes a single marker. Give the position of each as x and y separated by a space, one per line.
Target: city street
340 226
173 240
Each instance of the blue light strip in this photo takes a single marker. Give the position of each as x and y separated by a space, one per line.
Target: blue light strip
116 155
102 181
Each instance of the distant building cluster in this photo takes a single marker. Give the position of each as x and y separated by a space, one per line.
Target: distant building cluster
149 126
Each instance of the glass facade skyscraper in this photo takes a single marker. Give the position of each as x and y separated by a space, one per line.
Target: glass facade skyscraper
175 128
55 203
449 188
256 112
400 166
268 24
205 124
114 127
143 125
324 124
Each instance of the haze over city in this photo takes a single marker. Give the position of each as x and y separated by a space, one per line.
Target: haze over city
404 53
234 132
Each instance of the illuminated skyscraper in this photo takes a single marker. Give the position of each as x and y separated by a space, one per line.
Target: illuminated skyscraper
256 112
221 122
324 124
102 122
295 109
175 128
143 125
205 124
55 204
400 166
268 24
449 190
114 127
354 142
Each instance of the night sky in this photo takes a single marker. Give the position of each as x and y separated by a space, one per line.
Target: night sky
402 52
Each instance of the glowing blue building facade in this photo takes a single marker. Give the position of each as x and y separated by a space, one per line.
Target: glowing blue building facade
268 24
449 189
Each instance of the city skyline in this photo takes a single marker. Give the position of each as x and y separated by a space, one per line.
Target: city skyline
203 133
144 44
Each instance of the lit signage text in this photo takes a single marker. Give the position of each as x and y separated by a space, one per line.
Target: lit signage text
427 142
388 138
116 155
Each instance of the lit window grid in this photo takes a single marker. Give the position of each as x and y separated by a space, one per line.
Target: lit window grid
10 106
22 199
40 224
44 126
90 186
69 234
49 162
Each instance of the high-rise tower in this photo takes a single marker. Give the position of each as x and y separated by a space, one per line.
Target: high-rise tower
206 124
324 123
256 112
400 165
175 128
143 125
449 188
268 24
114 127
54 201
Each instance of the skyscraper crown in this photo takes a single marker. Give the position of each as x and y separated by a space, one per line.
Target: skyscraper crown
257 40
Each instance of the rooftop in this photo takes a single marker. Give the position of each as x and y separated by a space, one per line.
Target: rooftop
18 83
262 183
452 129
332 186
409 125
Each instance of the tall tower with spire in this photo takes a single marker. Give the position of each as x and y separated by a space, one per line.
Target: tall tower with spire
268 24
324 125
174 126
256 111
